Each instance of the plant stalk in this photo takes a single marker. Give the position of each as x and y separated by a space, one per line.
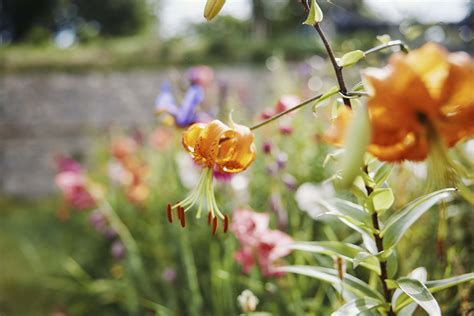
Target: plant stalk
275 117
383 264
337 68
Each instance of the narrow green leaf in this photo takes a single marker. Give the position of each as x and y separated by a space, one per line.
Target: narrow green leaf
419 274
351 216
382 173
352 210
351 58
359 306
350 283
420 294
401 221
401 301
439 285
356 142
329 93
315 14
338 248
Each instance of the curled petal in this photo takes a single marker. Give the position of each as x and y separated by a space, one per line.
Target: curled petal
237 150
430 63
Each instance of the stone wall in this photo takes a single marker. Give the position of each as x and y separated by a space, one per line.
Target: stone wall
43 114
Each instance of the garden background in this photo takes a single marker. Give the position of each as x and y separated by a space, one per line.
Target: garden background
77 74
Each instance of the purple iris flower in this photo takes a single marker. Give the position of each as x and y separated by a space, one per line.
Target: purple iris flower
186 114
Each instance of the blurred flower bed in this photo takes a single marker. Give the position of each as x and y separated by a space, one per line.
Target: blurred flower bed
111 247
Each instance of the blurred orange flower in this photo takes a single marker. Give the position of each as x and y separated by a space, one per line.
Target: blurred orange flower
417 98
218 146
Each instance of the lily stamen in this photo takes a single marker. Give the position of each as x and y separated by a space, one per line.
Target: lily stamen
214 226
169 212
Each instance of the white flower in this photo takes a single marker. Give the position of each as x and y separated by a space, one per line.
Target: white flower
188 172
247 301
309 197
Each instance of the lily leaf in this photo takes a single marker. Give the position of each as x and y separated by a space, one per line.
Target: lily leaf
350 283
338 248
382 173
358 306
356 141
382 199
351 58
315 14
420 294
350 214
439 285
419 274
401 221
434 286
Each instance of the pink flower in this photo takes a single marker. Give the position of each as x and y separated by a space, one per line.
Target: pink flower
200 75
245 258
287 101
222 176
67 164
248 226
272 247
73 186
259 244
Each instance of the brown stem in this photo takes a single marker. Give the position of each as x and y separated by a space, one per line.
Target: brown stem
337 68
383 264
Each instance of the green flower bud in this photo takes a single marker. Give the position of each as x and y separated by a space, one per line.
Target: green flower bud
212 9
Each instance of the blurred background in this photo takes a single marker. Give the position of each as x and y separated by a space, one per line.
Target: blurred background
75 72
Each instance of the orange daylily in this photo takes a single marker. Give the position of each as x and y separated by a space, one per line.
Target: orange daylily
426 94
415 101
216 145
220 148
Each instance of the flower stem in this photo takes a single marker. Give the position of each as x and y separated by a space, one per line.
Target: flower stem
403 47
275 117
337 68
383 264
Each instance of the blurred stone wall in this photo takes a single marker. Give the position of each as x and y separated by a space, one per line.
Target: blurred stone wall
48 113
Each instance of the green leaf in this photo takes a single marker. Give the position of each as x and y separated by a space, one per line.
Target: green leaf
356 142
315 14
420 294
350 214
419 274
384 39
401 301
351 58
382 199
401 221
382 173
350 283
338 248
439 285
329 93
359 306
351 209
